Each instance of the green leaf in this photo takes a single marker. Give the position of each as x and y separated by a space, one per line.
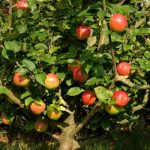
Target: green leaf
54 49
21 28
30 125
3 90
54 38
29 64
25 94
40 78
141 31
5 54
91 41
12 46
147 54
91 81
103 94
49 59
61 75
105 124
28 101
40 46
74 91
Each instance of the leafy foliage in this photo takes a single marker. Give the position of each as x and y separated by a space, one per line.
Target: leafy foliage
41 40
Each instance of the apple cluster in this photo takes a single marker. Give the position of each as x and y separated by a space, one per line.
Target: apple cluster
121 98
37 107
117 23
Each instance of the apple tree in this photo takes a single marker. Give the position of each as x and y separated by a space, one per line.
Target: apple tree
72 65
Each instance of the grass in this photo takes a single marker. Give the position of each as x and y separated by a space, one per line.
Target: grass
138 139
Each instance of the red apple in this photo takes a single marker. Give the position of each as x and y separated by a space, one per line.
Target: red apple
83 32
20 80
121 98
52 81
118 22
41 125
37 108
123 68
88 97
54 114
73 65
79 75
22 4
7 120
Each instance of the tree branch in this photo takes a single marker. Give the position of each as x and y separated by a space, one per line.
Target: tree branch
13 98
54 136
61 100
114 63
104 5
121 3
87 118
101 42
141 106
130 84
10 15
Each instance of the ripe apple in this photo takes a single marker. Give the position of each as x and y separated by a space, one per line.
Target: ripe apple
54 114
52 81
83 32
73 65
22 4
88 97
113 110
37 108
123 68
118 22
20 80
121 98
6 119
79 75
41 125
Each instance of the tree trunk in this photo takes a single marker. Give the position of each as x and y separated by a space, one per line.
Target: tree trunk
67 140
